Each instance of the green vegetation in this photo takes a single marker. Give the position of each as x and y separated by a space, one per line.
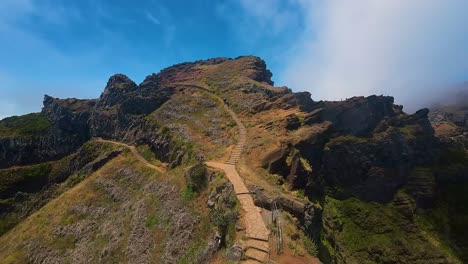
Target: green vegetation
23 126
348 139
197 177
301 118
291 156
360 228
148 155
188 194
224 218
231 124
296 248
305 164
24 179
310 246
408 131
447 221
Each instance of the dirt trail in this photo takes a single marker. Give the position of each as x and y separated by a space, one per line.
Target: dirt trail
135 153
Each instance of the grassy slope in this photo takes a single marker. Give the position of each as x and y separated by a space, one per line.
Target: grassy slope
378 233
197 118
107 208
41 182
26 125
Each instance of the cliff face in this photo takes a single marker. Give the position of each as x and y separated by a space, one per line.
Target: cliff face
118 114
68 130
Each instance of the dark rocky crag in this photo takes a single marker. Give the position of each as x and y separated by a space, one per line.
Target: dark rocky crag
367 151
117 114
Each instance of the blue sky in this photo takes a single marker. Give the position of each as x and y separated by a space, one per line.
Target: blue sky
69 48
335 49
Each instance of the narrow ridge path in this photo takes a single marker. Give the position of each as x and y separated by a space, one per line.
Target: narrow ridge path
257 234
135 153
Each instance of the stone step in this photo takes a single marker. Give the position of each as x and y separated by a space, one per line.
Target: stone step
255 254
261 235
250 261
257 244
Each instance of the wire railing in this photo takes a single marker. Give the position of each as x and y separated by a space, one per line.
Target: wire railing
276 219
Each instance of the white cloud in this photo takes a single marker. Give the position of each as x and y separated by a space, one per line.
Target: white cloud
259 18
152 18
272 14
405 48
160 15
12 11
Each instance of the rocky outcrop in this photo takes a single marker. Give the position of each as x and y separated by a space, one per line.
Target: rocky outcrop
362 147
256 69
222 204
374 168
123 94
358 116
309 214
450 119
116 90
117 114
69 130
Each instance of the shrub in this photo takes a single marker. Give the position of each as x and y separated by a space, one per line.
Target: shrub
310 246
197 177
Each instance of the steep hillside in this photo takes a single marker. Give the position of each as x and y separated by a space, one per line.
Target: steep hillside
122 178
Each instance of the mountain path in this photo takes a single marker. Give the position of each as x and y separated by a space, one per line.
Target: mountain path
135 153
256 240
257 234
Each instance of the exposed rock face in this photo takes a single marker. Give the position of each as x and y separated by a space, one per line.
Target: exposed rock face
374 168
333 159
258 70
450 119
68 132
117 87
309 214
116 115
358 116
123 97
